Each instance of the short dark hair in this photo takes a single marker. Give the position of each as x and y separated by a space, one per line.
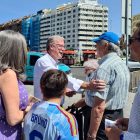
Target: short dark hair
54 83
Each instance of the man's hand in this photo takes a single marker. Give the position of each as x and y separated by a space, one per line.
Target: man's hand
70 93
113 133
123 122
97 85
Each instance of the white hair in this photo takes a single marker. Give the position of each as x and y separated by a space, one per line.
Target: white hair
113 47
92 64
52 40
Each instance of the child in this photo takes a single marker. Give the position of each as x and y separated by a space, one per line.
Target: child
47 120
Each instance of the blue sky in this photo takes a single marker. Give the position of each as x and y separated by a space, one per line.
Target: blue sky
13 9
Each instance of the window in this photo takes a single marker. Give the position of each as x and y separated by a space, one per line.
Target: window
73 11
33 59
69 12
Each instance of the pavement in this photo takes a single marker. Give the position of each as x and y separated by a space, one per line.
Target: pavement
77 97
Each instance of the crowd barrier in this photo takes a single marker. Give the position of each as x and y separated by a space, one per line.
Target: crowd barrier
134 80
68 61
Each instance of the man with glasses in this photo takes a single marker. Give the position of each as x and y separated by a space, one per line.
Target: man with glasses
55 47
129 127
108 104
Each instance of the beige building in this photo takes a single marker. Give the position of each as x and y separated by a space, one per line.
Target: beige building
13 24
135 22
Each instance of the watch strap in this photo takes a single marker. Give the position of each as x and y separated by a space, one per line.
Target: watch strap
122 135
89 136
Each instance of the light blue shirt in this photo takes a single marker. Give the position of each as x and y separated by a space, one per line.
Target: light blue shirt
89 99
48 121
133 132
116 75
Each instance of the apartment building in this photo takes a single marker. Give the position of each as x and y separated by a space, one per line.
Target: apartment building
77 22
31 30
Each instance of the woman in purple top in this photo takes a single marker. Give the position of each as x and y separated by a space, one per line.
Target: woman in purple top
13 95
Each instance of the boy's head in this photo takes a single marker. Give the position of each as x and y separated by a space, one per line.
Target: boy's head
53 83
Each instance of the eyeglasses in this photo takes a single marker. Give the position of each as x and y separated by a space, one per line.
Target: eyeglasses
61 46
87 70
131 40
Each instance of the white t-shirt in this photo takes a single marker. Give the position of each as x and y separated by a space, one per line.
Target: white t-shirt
42 65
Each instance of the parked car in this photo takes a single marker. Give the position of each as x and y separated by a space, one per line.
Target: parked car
132 64
32 58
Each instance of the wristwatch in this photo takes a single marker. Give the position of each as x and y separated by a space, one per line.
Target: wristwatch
121 135
88 135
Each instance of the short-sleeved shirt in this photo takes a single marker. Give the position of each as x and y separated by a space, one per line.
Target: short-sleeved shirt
116 75
133 132
89 99
48 121
42 65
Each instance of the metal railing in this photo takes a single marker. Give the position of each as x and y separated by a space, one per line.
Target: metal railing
134 80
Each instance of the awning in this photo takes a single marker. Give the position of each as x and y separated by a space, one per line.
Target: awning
69 52
89 51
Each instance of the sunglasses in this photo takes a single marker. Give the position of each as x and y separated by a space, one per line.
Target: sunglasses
87 70
132 38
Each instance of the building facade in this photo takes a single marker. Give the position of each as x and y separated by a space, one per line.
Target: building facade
77 22
14 25
135 22
25 30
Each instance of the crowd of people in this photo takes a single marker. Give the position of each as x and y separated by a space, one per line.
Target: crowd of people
105 88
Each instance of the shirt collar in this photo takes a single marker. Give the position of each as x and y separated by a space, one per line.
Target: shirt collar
106 57
50 103
52 60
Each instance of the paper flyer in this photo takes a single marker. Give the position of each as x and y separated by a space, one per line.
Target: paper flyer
32 99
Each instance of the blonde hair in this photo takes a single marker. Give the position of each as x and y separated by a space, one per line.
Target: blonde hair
13 52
